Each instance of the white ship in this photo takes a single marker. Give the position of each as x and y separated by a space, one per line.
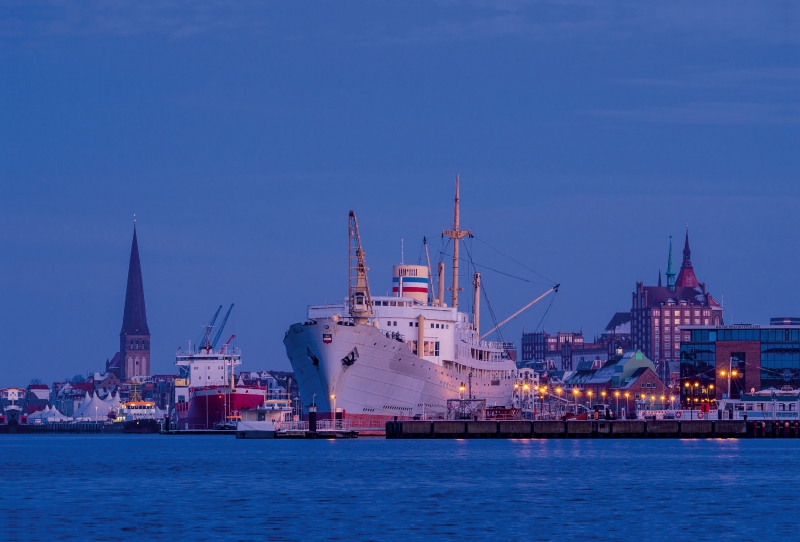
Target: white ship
403 355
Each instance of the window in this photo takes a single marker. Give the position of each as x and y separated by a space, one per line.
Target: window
431 326
656 321
677 321
411 324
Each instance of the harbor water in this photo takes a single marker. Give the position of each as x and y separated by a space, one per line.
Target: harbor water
151 487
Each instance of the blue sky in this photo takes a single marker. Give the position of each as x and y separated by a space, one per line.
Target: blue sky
241 134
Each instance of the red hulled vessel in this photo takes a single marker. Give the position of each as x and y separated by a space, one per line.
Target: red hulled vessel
206 395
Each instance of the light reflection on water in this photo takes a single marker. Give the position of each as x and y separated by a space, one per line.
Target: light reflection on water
145 487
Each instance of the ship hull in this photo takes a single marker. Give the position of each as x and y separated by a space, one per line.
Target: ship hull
133 427
208 407
369 376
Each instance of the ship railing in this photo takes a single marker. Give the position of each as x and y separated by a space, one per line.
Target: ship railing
350 424
291 425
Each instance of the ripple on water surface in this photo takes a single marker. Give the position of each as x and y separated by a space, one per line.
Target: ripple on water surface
145 487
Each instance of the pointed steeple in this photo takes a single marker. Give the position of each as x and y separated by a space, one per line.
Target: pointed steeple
670 268
659 277
134 319
134 338
686 277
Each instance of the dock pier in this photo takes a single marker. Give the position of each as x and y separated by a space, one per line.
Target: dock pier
521 429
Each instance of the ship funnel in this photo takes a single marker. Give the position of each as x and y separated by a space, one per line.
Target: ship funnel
411 281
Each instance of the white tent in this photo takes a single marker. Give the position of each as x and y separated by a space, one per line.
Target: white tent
93 409
52 415
112 401
37 415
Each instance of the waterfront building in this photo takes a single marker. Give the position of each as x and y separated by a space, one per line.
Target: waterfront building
632 374
37 397
560 352
658 312
616 338
70 396
741 358
133 358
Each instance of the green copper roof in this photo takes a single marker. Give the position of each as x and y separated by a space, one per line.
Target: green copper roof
670 268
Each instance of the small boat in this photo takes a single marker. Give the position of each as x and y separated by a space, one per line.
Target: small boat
135 416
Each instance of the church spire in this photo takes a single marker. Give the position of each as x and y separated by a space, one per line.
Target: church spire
687 253
134 318
670 268
134 338
686 277
659 277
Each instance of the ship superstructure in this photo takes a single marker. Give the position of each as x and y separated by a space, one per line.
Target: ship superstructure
402 355
206 394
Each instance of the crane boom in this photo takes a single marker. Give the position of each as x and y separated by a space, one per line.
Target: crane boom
208 328
358 286
221 327
523 309
225 346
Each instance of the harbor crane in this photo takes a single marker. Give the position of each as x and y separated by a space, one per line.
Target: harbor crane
221 327
358 286
225 346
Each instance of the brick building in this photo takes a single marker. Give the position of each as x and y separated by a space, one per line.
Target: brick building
562 351
657 312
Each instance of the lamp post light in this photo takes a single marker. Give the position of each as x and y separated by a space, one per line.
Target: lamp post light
461 389
526 389
576 392
542 395
627 406
616 394
558 394
333 397
589 393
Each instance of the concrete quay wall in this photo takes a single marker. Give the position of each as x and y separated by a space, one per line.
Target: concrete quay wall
591 429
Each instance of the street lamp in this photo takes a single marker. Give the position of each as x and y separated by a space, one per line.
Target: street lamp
333 398
627 396
589 393
542 393
461 389
616 394
558 393
576 392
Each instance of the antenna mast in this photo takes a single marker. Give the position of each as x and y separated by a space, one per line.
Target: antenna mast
456 234
431 291
358 287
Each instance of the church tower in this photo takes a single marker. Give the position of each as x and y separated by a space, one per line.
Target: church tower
134 339
686 277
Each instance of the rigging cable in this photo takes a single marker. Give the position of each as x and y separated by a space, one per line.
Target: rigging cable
486 297
513 260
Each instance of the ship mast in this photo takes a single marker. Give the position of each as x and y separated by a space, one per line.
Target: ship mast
358 287
456 234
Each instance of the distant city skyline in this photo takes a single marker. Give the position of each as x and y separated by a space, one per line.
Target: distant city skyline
241 136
